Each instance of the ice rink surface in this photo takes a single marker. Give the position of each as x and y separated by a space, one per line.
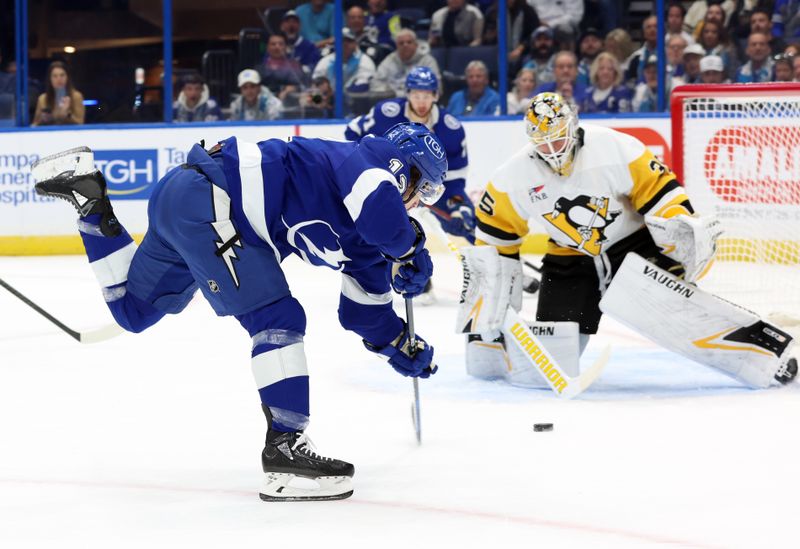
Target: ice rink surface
153 440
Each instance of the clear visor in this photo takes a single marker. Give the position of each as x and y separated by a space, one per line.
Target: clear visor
429 193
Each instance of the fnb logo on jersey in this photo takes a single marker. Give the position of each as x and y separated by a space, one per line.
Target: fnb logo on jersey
130 173
754 164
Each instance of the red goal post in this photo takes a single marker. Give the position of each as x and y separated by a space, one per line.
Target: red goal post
736 148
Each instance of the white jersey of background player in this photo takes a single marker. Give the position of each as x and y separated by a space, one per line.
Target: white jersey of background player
601 194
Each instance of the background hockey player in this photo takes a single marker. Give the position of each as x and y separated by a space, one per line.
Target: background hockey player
600 195
225 220
454 209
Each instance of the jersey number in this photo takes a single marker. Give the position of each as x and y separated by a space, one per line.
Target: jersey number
657 166
486 205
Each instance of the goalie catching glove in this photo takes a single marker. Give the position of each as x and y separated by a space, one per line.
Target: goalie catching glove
411 272
408 360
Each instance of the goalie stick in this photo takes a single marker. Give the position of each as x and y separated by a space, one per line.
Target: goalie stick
517 330
93 336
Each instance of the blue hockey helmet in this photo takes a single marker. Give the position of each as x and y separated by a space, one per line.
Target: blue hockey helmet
422 78
424 153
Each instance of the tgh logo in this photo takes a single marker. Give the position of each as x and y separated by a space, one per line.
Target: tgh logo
433 146
130 173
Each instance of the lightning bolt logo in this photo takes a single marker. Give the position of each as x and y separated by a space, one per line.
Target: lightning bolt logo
228 237
333 258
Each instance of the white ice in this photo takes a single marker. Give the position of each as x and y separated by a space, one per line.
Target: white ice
153 440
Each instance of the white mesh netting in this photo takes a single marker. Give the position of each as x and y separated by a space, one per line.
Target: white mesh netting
742 162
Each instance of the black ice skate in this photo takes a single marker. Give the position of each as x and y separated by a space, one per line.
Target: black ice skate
787 371
71 176
287 456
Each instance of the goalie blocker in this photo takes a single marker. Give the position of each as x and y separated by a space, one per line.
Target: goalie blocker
703 327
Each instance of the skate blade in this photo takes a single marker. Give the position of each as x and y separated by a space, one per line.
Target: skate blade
79 161
280 487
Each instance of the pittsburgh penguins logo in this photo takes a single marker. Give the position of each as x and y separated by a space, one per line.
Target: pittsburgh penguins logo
583 220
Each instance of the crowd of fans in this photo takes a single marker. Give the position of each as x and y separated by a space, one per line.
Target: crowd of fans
576 47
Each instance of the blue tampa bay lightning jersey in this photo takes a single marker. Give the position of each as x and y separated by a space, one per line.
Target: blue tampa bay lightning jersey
447 128
333 204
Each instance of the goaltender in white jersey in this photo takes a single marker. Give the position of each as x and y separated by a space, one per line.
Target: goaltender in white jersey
623 239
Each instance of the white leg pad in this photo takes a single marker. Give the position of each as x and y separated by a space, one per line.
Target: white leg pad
703 327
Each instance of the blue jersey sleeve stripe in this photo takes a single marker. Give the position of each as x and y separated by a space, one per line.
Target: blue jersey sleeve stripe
252 178
365 185
352 290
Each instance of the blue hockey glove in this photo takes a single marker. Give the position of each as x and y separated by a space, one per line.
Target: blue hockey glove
412 271
409 279
408 361
462 217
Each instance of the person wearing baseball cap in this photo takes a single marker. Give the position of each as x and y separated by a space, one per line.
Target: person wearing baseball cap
541 51
298 47
691 63
256 102
712 70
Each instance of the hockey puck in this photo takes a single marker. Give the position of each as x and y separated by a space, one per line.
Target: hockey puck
542 427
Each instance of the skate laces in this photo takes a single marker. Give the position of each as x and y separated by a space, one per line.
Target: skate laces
303 444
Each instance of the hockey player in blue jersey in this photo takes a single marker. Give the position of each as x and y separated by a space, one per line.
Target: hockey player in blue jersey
454 209
225 220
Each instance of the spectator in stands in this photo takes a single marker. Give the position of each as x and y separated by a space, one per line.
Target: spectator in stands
256 102
783 69
619 44
786 19
760 21
796 67
676 44
61 103
563 16
457 24
714 13
194 103
712 70
590 46
319 96
392 72
565 70
297 46
518 99
521 21
637 60
714 39
541 54
356 21
675 14
697 12
645 97
280 73
382 24
478 99
606 93
316 22
759 63
792 49
358 69
691 63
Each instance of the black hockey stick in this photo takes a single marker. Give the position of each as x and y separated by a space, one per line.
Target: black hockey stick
412 341
94 336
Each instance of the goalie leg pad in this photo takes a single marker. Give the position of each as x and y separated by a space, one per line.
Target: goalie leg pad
497 359
492 283
700 326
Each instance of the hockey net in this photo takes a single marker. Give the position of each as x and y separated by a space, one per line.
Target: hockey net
736 148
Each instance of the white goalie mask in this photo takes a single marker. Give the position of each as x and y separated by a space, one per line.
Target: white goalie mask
552 125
